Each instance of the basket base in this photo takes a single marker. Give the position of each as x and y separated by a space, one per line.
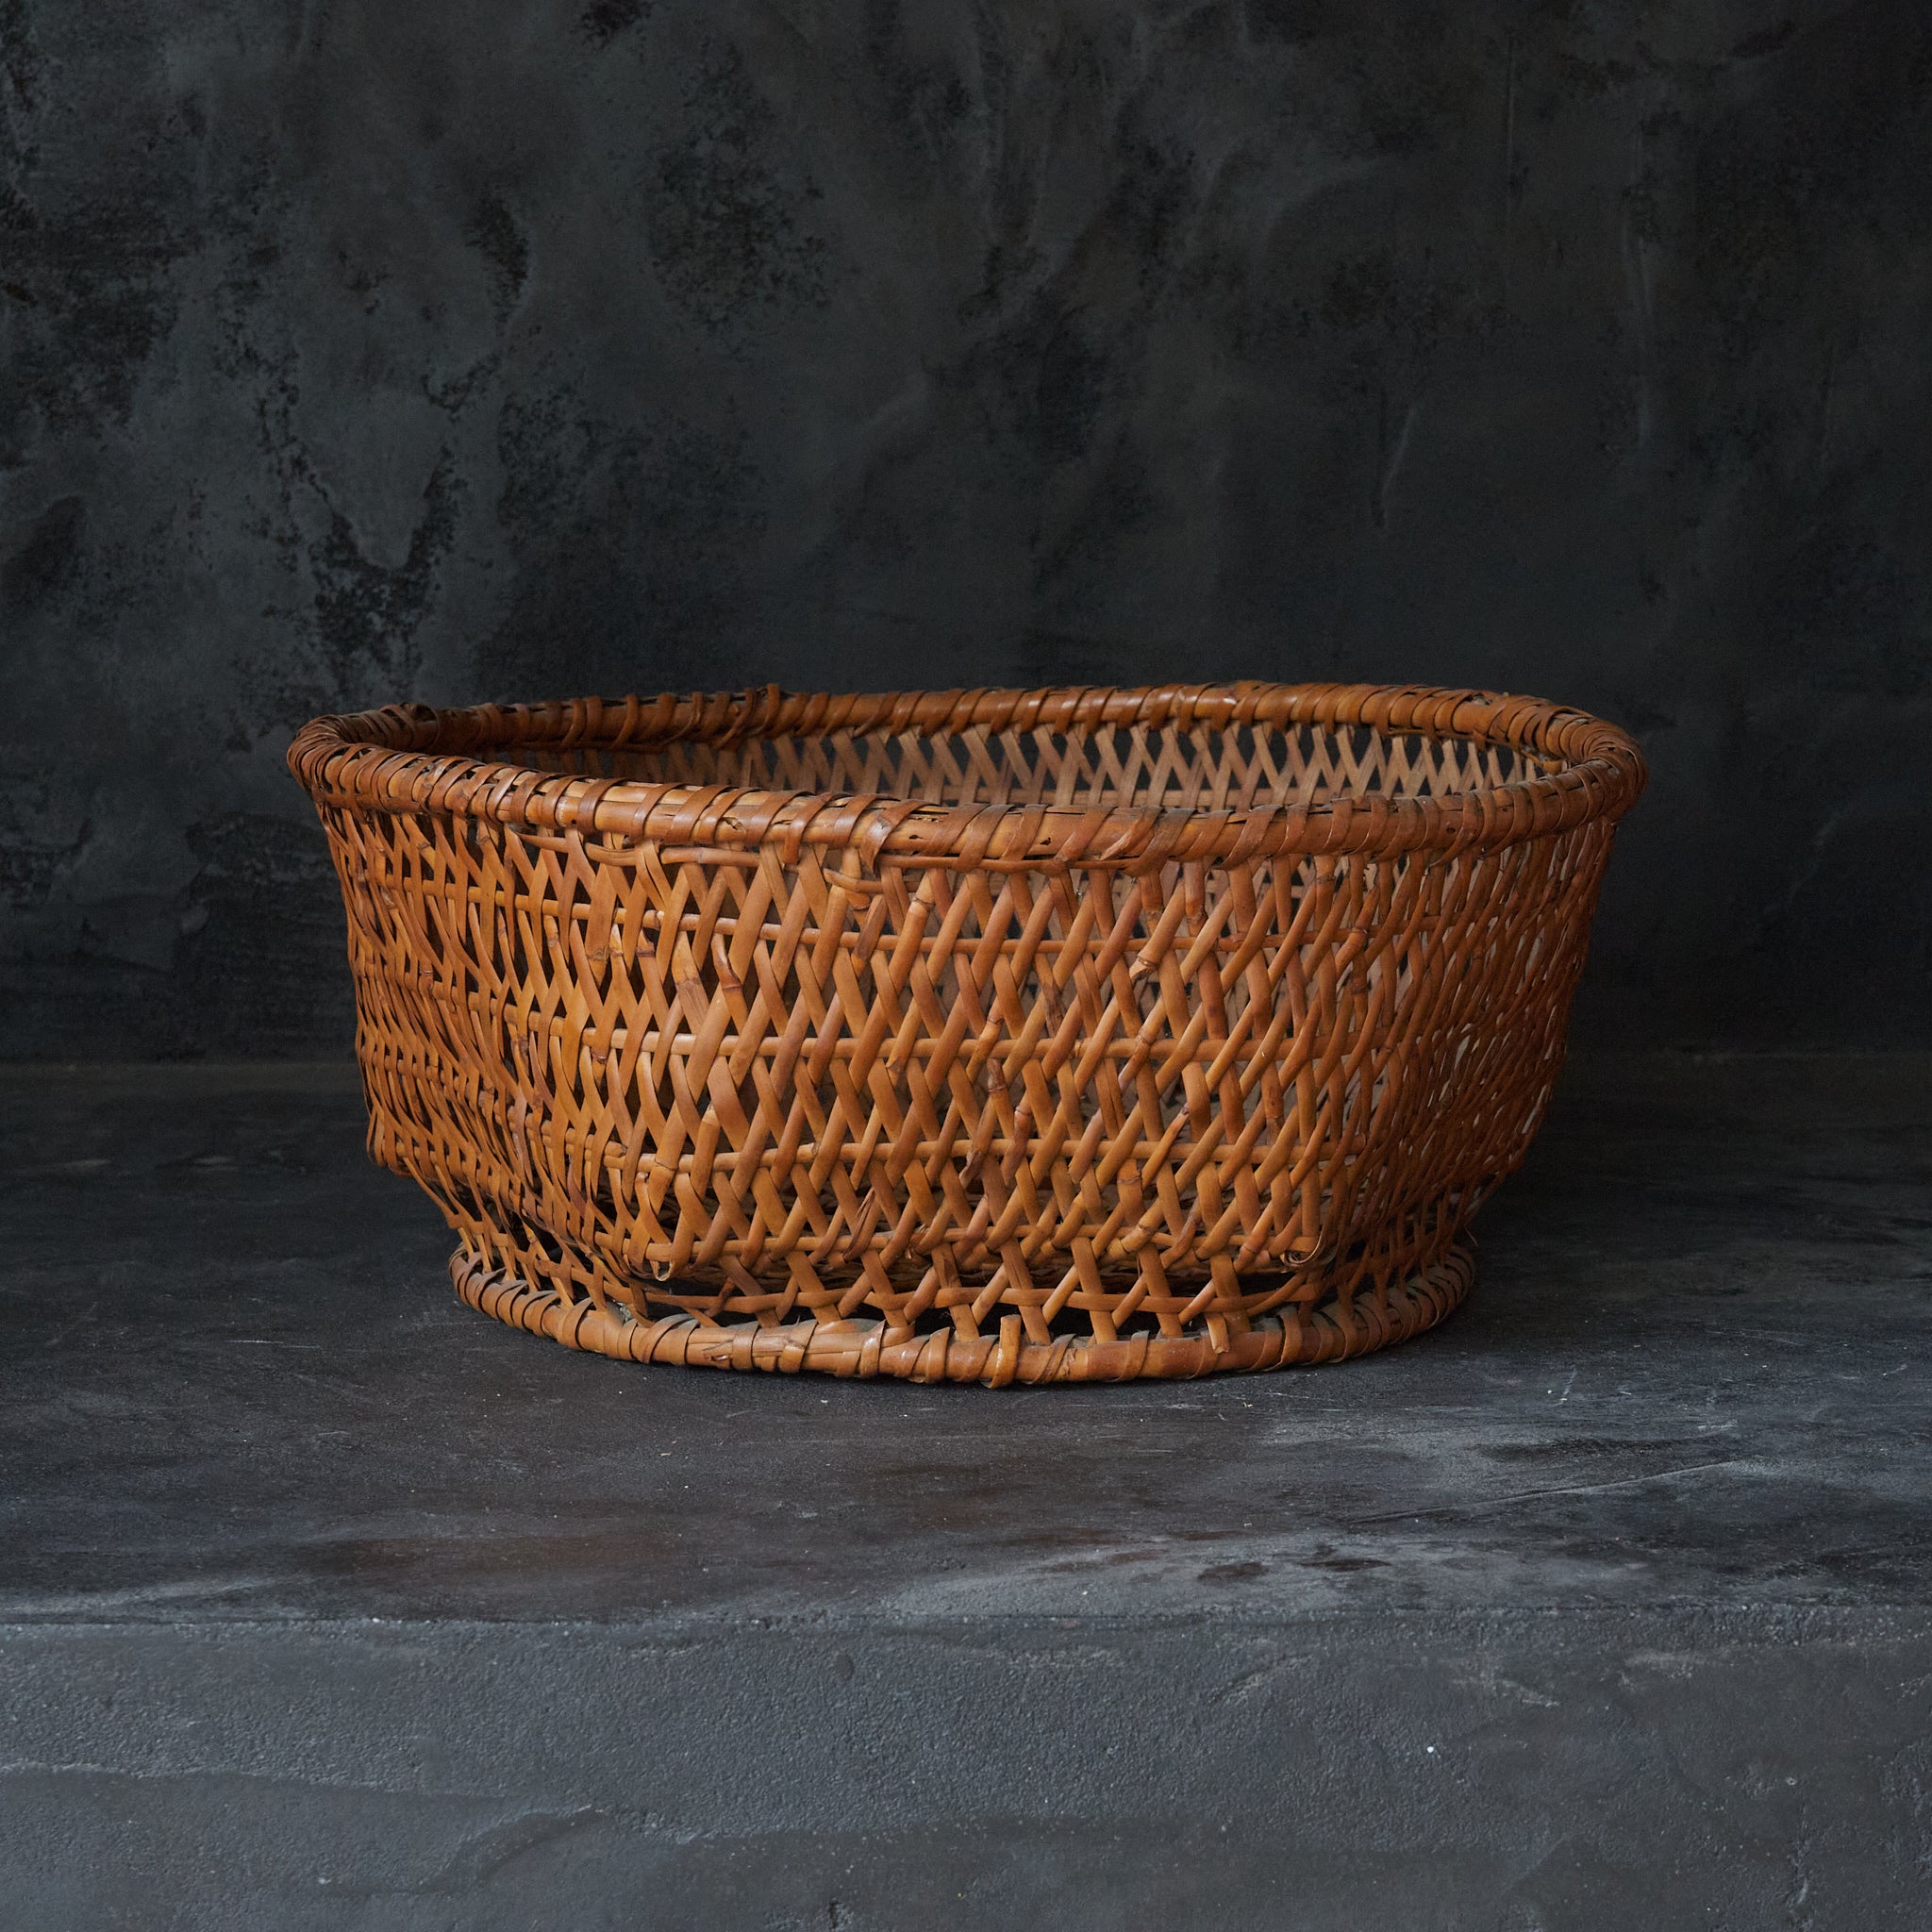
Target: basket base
1327 1332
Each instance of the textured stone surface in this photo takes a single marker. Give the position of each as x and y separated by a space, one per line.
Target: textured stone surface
363 352
1603 1773
325 1601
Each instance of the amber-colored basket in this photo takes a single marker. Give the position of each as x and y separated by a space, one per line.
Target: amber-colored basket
986 1036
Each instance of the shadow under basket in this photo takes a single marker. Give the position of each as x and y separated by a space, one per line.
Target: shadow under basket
997 1036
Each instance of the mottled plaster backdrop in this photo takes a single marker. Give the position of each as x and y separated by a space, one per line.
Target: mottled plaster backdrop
353 352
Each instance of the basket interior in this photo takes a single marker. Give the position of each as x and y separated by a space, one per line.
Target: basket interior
1168 768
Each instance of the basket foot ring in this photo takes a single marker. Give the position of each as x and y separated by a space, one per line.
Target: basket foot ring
1327 1332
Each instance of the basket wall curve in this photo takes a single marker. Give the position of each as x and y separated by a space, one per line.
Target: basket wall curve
984 1036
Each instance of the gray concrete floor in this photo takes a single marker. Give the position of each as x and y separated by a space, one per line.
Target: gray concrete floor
325 1601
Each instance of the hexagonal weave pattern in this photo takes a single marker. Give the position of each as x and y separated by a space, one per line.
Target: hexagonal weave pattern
985 1035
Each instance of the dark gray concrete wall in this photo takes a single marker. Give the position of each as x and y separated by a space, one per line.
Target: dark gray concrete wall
358 352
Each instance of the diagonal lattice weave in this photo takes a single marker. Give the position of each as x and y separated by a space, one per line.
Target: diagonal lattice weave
984 1036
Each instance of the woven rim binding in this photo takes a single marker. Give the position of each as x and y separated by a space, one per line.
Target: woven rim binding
413 759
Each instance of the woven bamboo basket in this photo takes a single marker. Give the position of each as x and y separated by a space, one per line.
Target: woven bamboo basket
986 1036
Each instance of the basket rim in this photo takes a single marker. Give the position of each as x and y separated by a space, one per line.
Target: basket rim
413 758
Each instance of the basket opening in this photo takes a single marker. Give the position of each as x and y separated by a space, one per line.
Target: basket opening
1167 768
